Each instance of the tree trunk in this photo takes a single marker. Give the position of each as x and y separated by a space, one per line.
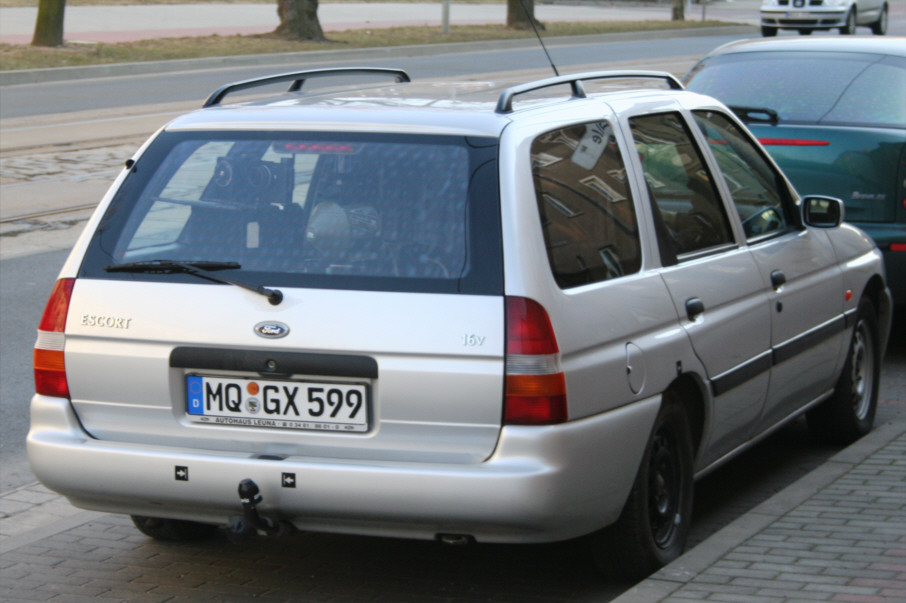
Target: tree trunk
49 26
679 10
299 20
520 14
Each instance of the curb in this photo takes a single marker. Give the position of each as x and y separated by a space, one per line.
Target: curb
58 74
691 564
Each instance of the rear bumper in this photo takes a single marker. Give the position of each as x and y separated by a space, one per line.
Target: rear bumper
806 18
542 484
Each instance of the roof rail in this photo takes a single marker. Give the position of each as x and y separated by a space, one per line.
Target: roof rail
505 102
298 78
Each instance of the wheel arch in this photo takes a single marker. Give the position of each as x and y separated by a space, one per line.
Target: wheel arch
689 392
877 293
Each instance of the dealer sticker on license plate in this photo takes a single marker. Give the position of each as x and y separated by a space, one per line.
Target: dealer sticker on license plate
279 404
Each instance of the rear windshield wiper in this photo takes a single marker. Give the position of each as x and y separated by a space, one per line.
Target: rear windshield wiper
761 115
201 269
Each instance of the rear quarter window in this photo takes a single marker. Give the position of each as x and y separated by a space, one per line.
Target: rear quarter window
586 208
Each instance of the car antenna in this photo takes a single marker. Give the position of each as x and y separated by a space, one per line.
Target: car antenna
531 20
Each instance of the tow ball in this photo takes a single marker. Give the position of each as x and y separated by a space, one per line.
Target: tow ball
242 529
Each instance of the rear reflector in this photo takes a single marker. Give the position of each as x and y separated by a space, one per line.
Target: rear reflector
50 368
792 142
535 384
898 246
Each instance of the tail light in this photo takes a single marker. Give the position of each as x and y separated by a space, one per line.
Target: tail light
535 384
793 142
50 369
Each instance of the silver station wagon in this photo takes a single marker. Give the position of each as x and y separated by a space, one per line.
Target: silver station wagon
452 311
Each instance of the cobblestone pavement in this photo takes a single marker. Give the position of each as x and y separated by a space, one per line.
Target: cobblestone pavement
47 194
64 164
837 535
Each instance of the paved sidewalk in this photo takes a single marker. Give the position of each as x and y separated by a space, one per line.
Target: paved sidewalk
837 534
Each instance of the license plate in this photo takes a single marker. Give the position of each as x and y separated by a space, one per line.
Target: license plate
797 16
277 404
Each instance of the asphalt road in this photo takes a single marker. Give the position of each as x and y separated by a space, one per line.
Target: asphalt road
421 63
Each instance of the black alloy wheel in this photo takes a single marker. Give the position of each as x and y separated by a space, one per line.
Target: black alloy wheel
653 527
850 411
664 487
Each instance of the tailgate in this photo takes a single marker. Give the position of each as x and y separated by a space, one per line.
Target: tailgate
327 373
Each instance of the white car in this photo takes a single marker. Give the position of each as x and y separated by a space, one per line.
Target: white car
807 16
455 311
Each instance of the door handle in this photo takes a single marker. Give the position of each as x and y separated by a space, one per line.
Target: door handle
694 308
778 279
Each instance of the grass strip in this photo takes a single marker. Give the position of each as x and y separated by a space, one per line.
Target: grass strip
21 56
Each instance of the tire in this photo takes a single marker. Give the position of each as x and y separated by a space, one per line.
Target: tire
850 27
850 411
768 32
879 27
653 527
176 530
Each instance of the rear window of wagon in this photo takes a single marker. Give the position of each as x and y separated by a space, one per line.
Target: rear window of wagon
307 209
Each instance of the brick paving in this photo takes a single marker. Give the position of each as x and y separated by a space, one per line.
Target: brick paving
65 164
838 534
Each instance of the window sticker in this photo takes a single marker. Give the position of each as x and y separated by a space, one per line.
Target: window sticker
592 145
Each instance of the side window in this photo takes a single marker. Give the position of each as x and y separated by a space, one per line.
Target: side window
757 189
688 212
586 208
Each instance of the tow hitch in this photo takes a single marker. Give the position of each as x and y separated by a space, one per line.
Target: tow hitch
242 529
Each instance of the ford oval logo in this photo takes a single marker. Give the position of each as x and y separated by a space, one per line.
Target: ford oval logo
272 329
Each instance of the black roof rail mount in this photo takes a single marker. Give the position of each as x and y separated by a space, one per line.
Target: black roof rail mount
298 78
505 102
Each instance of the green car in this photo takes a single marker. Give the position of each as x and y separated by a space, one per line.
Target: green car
832 113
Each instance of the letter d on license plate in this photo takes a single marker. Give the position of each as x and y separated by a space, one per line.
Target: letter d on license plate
278 404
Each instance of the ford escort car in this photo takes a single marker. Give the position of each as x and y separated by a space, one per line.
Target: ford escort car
448 311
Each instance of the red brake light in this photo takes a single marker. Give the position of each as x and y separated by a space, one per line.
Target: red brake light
898 246
535 384
528 328
793 142
50 368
